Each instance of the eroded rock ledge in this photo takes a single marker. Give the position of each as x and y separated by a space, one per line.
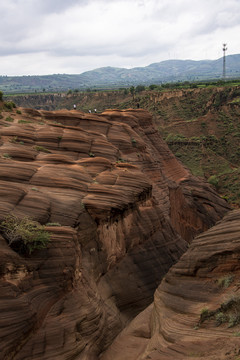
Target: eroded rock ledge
126 209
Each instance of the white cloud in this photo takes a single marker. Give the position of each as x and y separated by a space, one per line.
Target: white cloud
45 36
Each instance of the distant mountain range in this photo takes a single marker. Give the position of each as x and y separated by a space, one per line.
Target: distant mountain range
112 77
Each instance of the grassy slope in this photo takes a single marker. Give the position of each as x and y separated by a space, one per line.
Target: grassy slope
202 128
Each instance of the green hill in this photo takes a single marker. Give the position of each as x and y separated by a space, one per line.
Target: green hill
111 77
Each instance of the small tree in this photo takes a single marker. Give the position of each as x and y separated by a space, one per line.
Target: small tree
140 88
24 235
152 87
9 105
132 91
1 96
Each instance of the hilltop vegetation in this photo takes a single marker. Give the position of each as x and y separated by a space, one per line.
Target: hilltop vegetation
202 128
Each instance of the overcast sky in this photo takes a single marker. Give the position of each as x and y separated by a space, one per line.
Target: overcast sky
41 37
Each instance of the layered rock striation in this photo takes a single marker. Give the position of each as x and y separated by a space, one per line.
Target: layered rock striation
196 309
120 210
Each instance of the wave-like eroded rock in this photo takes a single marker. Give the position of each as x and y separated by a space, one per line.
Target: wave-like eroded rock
196 308
126 209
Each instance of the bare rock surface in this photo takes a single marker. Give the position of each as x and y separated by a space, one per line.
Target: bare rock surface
195 313
125 210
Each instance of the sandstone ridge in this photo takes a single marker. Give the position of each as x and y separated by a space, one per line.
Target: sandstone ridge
125 210
196 308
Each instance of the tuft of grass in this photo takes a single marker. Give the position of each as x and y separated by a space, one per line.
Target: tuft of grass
233 319
14 139
6 156
41 148
231 302
121 160
24 121
9 119
228 312
225 281
134 142
205 314
220 318
53 224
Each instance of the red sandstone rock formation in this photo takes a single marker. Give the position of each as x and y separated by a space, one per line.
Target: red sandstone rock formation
204 281
126 208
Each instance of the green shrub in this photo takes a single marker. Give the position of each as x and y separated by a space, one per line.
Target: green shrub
153 87
14 139
225 281
205 314
220 318
9 105
18 112
140 88
234 319
121 160
9 118
53 224
41 148
1 96
228 312
134 142
6 156
24 121
213 180
178 138
24 235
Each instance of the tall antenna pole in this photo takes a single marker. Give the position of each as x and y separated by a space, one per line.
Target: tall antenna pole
224 61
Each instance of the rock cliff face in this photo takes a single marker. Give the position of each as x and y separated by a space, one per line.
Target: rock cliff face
125 210
196 309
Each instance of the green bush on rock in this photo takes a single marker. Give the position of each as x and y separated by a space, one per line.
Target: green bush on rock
213 180
23 234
